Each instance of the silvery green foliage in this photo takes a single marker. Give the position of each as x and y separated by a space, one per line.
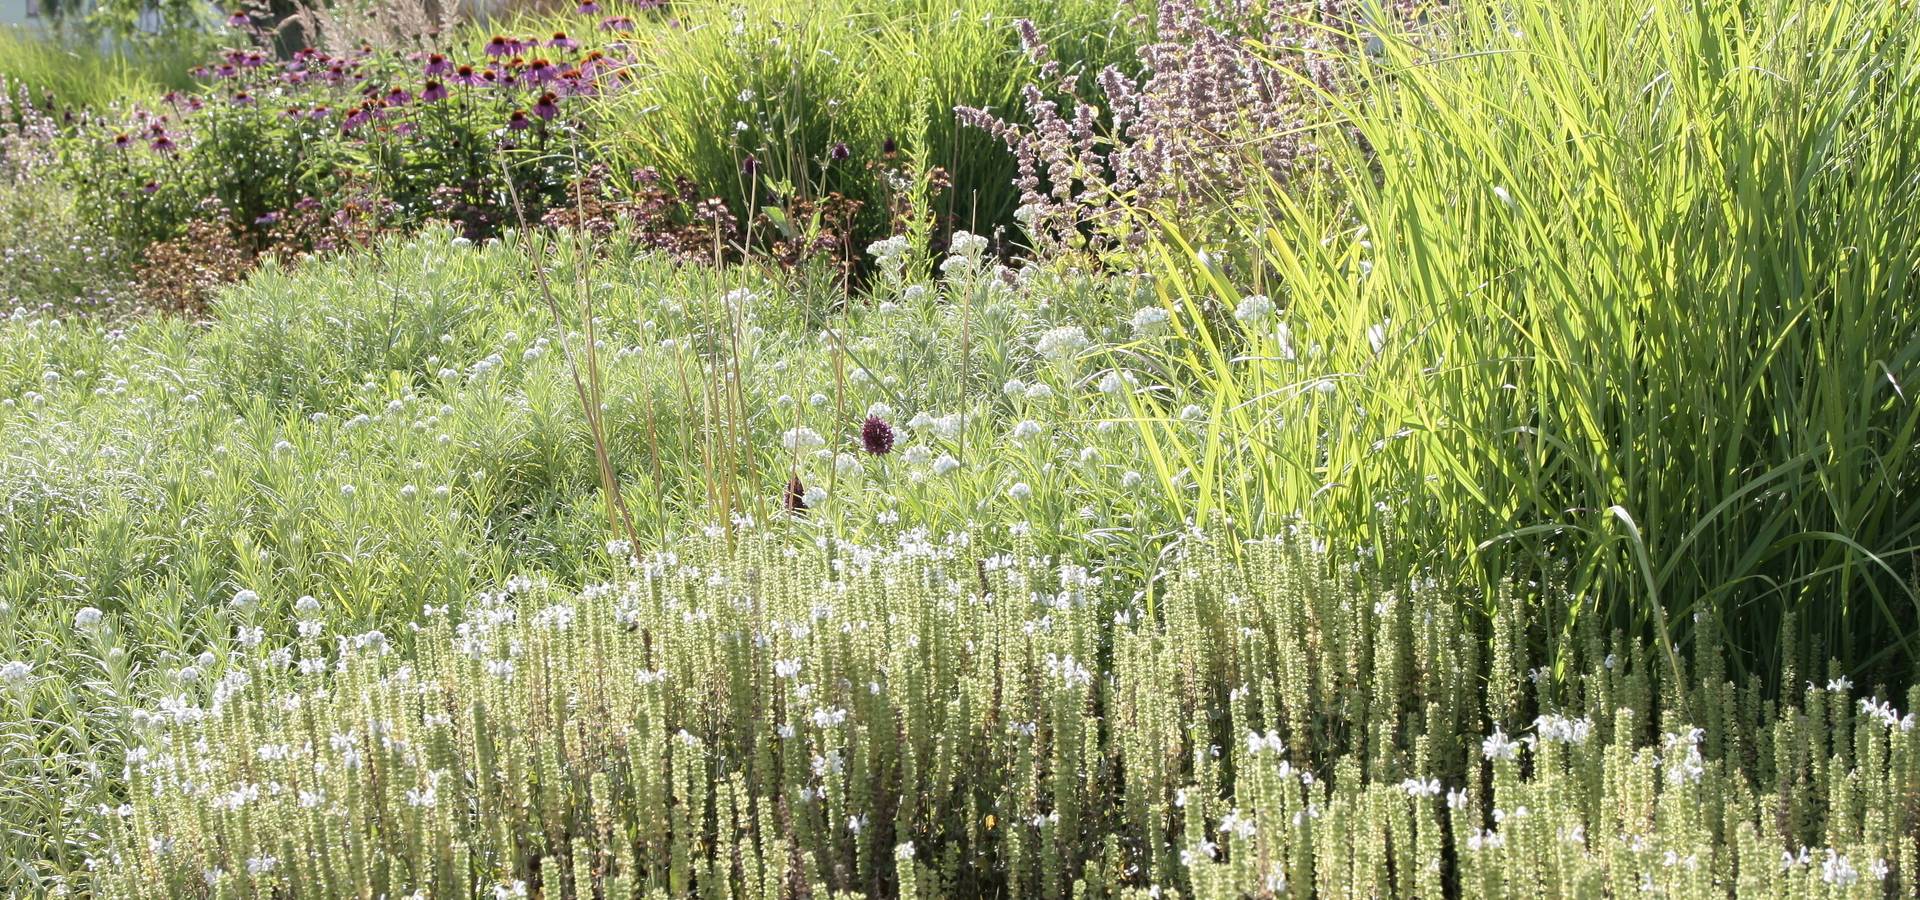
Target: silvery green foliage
931 717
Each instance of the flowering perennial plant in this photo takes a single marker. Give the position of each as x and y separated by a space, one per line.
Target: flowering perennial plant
927 717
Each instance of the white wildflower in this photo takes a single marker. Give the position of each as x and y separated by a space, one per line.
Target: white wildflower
1254 309
1062 343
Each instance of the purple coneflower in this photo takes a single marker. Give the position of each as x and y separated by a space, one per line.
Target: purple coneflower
548 106
434 92
616 23
122 141
164 144
876 436
267 219
437 65
539 71
361 115
398 97
236 20
319 112
151 187
253 60
242 98
518 121
465 75
499 46
561 40
588 8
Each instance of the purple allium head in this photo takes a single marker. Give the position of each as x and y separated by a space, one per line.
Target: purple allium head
876 436
796 496
889 146
839 152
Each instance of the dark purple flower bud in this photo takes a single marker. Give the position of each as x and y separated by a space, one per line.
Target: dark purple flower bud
889 147
839 153
750 166
796 496
876 436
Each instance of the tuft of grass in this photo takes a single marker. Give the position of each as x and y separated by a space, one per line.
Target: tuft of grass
785 82
1624 288
78 74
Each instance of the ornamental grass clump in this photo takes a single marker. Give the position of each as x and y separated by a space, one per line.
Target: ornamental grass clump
1622 284
934 718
